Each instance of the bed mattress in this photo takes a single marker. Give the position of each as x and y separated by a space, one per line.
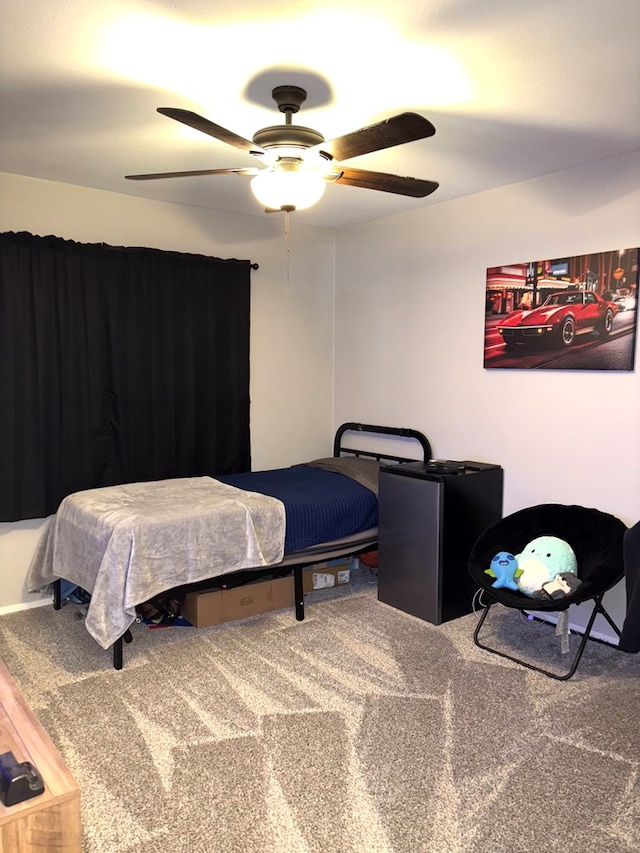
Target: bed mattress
320 505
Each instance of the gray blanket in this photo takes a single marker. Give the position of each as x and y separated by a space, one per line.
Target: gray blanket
125 544
361 469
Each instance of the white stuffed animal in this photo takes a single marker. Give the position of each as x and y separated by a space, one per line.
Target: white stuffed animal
541 560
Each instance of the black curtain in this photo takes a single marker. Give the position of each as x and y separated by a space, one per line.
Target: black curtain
117 365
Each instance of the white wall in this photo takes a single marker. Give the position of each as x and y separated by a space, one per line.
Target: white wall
410 293
291 314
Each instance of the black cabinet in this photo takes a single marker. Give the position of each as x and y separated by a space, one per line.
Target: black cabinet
429 517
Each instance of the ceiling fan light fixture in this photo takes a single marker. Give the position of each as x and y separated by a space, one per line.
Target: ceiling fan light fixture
283 189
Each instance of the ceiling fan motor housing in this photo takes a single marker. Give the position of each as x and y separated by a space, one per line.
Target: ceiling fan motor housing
287 136
289 100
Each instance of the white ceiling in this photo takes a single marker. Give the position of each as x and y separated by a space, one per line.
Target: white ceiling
515 88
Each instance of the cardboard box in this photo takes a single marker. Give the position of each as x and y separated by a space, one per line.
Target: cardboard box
211 607
326 575
214 606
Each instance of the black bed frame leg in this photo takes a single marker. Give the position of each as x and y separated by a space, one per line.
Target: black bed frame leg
298 593
117 654
117 648
57 594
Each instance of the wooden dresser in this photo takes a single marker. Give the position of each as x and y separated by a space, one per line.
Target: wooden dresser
50 822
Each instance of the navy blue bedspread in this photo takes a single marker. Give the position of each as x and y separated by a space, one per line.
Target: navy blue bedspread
319 505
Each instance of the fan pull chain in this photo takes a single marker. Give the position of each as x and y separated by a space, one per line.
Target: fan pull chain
287 241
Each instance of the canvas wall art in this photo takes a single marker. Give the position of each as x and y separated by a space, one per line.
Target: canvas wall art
574 313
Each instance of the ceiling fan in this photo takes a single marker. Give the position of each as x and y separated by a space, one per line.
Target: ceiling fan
297 162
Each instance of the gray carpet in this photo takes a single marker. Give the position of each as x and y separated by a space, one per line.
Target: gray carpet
359 730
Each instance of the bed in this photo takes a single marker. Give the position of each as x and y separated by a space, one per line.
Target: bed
126 544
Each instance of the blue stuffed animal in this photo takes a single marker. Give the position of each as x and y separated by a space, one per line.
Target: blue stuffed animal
504 568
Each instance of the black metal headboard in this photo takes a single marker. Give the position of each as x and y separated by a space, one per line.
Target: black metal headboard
399 432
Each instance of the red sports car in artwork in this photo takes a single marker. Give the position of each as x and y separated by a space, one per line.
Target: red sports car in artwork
560 319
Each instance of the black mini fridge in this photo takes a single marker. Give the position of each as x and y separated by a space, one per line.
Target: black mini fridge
430 515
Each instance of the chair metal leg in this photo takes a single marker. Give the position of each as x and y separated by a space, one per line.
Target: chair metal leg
604 613
597 608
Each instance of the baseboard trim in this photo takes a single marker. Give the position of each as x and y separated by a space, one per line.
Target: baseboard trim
609 639
25 605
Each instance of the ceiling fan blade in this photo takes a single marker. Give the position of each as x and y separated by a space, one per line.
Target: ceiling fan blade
250 172
414 187
205 126
406 127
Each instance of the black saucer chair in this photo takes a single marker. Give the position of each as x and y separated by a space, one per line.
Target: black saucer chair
597 541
